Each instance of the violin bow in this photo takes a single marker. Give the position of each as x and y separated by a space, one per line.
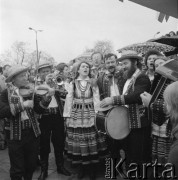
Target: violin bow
36 77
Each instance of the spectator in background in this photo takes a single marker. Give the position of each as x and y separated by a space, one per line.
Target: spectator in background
172 33
2 121
97 59
5 70
64 72
32 74
150 57
0 70
62 68
2 80
101 68
159 61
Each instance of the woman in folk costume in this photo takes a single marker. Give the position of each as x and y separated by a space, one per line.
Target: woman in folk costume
84 145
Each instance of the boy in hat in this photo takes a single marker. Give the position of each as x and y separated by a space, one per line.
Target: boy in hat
137 144
52 127
23 131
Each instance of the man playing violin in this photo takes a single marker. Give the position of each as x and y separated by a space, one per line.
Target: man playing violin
52 126
22 127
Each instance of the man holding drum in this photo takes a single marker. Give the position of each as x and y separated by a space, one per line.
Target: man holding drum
110 85
137 143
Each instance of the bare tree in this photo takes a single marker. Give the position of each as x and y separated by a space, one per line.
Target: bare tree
103 47
21 50
6 57
43 57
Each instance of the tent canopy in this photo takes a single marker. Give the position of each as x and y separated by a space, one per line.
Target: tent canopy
168 7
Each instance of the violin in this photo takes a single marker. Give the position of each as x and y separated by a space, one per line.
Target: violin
29 90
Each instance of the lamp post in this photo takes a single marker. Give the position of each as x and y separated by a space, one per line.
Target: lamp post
37 54
37 63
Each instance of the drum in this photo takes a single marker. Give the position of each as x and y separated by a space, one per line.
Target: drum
114 123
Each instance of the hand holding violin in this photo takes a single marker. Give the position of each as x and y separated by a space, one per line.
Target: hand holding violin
28 104
51 92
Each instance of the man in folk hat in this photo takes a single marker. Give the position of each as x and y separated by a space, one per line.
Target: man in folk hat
137 143
51 126
22 127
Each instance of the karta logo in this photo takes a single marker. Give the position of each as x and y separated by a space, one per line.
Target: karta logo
136 171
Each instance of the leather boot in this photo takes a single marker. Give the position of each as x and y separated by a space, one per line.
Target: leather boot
63 170
60 164
44 167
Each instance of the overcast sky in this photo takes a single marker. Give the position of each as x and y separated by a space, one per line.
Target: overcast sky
70 26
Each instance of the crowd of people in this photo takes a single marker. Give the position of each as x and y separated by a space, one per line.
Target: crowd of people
60 105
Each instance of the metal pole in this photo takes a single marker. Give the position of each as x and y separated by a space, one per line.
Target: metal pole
37 55
37 48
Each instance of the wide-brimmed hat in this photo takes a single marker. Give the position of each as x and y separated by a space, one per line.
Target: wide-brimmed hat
14 71
129 54
44 65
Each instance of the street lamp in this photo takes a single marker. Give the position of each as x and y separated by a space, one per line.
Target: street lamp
37 63
36 32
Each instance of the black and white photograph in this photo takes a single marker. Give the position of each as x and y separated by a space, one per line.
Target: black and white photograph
88 89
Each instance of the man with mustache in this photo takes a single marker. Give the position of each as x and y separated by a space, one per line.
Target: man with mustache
137 144
109 86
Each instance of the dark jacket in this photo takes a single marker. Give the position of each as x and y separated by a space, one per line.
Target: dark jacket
137 112
13 113
57 96
103 83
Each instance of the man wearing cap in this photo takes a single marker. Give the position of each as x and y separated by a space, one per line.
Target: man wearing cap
52 127
137 143
22 127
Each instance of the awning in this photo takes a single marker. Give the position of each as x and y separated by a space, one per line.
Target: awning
167 7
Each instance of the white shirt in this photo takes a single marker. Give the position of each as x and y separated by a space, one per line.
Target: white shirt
126 85
53 103
128 81
113 88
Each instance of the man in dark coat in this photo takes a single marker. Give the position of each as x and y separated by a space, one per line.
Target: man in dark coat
137 143
52 125
22 126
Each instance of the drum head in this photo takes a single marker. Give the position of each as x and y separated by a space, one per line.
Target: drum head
117 123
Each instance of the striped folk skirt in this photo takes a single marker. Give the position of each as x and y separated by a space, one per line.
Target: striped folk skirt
160 149
83 144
